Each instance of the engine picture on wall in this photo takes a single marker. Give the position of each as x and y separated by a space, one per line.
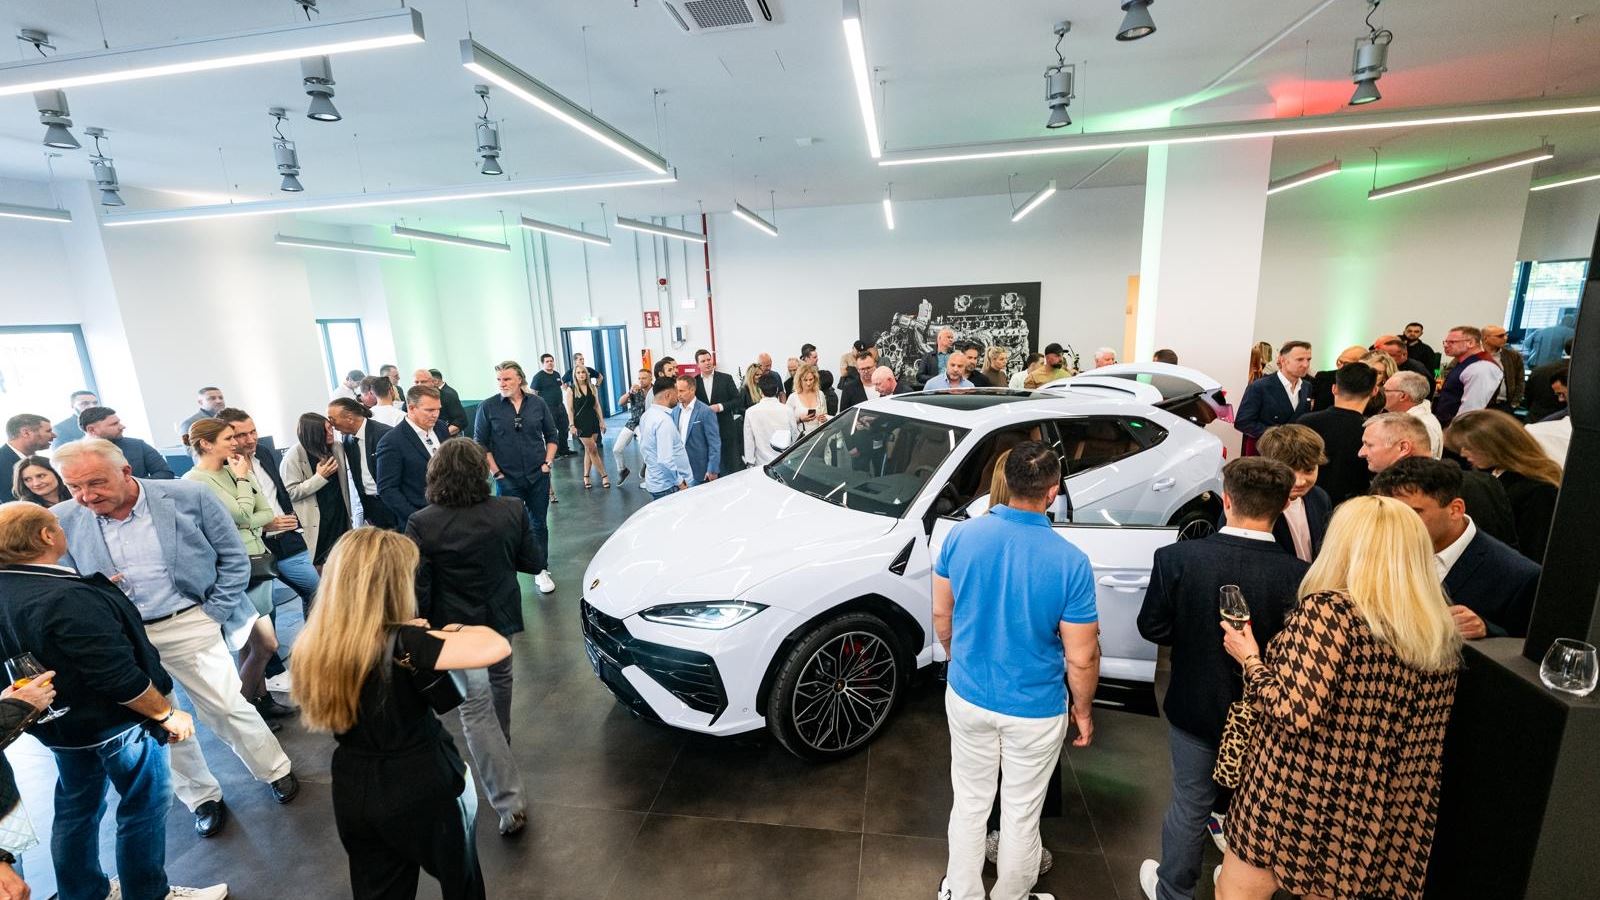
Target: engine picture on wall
904 323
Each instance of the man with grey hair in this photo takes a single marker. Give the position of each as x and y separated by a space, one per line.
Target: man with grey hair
1390 437
932 364
1407 392
1105 356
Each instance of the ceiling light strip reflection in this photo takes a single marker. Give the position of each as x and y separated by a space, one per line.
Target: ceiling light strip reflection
290 240
456 240
660 230
34 213
741 212
562 231
1034 202
1498 164
1557 181
1299 179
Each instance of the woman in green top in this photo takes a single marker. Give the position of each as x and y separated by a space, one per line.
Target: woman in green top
218 466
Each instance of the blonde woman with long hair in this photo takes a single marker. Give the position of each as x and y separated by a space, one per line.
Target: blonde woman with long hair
1495 442
808 406
367 669
1362 675
752 384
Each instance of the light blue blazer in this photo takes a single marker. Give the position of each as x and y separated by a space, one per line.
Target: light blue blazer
204 552
704 443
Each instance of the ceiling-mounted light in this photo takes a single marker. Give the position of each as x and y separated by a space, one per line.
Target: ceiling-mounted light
54 115
525 87
660 230
283 153
551 228
743 214
316 73
35 213
365 32
1500 163
488 136
105 174
1032 203
456 240
290 240
1316 173
1371 60
1058 80
888 207
855 42
1557 181
1136 21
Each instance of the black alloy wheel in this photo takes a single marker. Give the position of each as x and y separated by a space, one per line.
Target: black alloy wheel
836 688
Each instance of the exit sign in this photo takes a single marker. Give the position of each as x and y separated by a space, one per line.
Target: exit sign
652 318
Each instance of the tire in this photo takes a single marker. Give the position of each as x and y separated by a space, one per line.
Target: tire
817 715
1195 523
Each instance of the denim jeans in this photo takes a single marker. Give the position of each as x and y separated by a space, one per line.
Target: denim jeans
297 572
534 492
1183 830
136 765
488 744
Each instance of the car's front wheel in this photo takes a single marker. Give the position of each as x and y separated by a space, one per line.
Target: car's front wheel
836 687
1195 523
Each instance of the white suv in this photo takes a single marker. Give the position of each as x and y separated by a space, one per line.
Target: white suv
797 596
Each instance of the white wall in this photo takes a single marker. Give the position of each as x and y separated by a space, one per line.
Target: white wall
1561 223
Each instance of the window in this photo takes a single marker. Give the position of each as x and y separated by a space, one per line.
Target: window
872 461
343 348
1541 292
975 477
1090 443
40 367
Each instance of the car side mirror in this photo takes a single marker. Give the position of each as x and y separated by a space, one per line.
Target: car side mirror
780 441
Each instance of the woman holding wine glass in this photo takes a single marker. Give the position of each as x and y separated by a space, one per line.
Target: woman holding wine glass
1363 673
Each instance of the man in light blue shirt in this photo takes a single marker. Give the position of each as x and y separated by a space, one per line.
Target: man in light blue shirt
1012 600
955 375
666 463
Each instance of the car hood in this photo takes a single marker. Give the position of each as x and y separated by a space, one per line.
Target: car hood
718 540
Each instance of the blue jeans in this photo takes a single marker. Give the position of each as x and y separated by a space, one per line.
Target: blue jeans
1183 830
136 765
297 572
534 492
657 495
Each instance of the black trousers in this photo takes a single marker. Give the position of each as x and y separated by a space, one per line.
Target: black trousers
377 514
397 817
732 453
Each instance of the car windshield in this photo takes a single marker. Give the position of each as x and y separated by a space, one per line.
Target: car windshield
868 460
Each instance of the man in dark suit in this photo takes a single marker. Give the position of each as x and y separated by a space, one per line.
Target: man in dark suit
1279 398
718 392
932 363
1304 522
1543 398
697 426
1345 474
404 453
67 429
26 434
1490 586
1181 611
361 438
855 390
103 422
452 415
1392 437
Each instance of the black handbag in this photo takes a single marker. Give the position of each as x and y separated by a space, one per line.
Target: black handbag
262 568
440 691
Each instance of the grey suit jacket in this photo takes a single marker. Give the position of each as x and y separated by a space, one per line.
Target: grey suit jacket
204 553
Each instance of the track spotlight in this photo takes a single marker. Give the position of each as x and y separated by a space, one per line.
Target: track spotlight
284 154
105 174
1058 83
488 136
1371 60
317 75
1136 21
54 115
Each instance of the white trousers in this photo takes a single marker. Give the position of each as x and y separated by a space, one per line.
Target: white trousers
981 744
624 438
192 652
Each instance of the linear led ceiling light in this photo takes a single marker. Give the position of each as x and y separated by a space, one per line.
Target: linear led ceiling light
1556 181
660 230
1317 173
1034 202
437 238
486 65
1500 163
1136 23
36 213
743 214
856 44
888 208
1300 126
384 198
290 240
562 231
368 32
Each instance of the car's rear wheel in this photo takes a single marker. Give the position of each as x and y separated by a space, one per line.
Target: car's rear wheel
836 687
1195 523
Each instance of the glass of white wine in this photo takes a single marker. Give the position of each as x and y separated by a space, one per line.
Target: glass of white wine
1570 666
22 669
1234 610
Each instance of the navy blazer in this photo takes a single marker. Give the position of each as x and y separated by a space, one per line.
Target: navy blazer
1497 583
144 459
1265 404
704 444
403 470
1319 509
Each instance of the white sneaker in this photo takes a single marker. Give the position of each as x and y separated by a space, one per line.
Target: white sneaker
214 892
1147 877
279 683
1214 827
545 583
944 890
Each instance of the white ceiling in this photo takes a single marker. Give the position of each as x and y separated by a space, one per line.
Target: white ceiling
734 103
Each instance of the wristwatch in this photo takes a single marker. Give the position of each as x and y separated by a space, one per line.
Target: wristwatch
7 858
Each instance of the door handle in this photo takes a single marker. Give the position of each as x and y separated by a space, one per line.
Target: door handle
1163 484
1121 583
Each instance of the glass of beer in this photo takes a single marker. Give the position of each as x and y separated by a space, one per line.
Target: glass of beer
23 669
1234 610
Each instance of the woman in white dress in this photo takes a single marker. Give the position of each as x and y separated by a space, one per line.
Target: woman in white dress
807 405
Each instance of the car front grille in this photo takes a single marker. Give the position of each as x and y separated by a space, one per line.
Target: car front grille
690 676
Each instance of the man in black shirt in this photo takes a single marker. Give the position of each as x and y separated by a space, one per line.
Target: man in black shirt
549 386
519 434
1417 350
1345 474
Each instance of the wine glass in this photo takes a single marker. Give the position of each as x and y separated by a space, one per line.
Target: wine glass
23 668
1570 666
1234 610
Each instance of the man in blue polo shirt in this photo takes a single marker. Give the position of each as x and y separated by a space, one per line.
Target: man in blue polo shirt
1011 600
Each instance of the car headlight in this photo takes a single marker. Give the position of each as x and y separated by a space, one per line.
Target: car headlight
714 615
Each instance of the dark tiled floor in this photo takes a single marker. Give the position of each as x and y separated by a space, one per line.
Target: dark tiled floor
621 808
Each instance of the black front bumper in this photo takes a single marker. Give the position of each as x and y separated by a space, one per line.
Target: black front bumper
690 676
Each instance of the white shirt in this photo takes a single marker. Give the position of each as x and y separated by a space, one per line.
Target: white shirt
265 487
1446 559
369 479
1299 528
1246 533
706 381
1292 388
342 391
685 416
761 422
430 441
1478 386
1424 412
388 415
1016 380
1554 437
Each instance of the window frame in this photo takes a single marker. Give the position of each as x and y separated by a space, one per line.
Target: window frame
1522 279
85 365
335 377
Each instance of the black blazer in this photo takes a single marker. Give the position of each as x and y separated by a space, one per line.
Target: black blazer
726 392
1345 474
284 544
1265 405
8 469
470 559
1489 506
1319 509
451 411
87 630
143 459
403 470
1180 611
1497 583
851 392
376 512
1533 505
927 367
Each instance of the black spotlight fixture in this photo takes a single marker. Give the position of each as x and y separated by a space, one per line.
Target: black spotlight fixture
284 154
1371 60
488 136
1136 21
317 75
1058 80
105 174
